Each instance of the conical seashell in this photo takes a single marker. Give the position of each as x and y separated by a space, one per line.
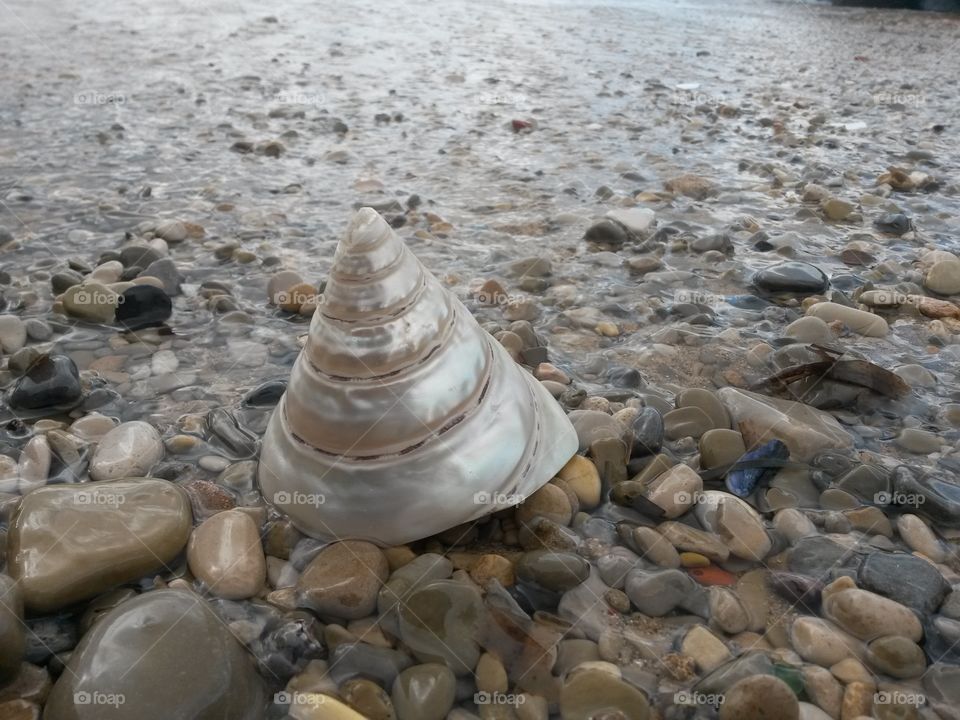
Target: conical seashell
403 418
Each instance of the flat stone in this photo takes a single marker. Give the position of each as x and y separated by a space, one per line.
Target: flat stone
884 573
637 220
582 477
795 278
13 334
129 450
593 693
72 542
707 650
165 270
805 430
440 623
343 580
657 592
763 697
556 571
49 381
920 538
821 642
943 277
161 655
675 491
686 538
736 523
859 321
867 615
721 448
143 306
593 425
424 692
654 547
896 656
91 301
225 554
809 329
686 422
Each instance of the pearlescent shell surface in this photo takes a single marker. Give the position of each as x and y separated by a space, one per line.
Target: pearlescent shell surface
403 418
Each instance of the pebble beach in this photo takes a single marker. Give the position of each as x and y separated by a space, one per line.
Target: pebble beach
721 237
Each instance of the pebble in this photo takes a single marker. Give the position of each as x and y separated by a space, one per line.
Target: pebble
859 321
171 231
654 547
763 697
721 448
143 306
647 427
343 580
549 502
556 571
13 333
684 537
920 538
693 186
368 699
156 652
12 637
592 692
657 592
708 403
165 270
805 430
921 442
943 277
707 650
92 427
440 622
225 554
867 615
49 381
675 491
34 464
91 301
582 477
424 692
71 542
593 425
836 209
896 656
883 573
686 422
821 642
809 329
637 220
128 450
795 278
736 523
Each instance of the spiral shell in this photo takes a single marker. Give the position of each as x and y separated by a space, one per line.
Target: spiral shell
403 418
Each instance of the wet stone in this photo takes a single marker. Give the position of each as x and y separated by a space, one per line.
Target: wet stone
440 623
143 306
182 640
424 692
657 592
556 571
343 580
225 554
760 698
594 692
796 278
883 573
128 450
50 381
